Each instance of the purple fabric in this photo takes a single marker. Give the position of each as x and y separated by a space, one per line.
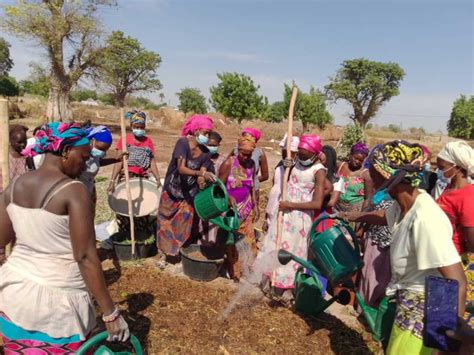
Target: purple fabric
360 148
240 182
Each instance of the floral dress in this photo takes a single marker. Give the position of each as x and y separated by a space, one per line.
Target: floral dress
296 225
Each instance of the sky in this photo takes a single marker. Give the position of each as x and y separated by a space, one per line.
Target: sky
276 41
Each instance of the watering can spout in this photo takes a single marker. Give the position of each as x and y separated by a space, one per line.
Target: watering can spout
284 257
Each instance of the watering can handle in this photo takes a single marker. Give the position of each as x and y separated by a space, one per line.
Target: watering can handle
313 275
218 221
97 339
346 226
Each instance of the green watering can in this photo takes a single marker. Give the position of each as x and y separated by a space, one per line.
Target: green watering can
212 201
332 253
103 350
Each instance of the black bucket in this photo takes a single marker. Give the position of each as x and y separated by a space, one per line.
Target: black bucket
201 270
123 247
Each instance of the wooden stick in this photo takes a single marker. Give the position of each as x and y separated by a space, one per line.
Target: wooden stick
127 180
5 143
284 191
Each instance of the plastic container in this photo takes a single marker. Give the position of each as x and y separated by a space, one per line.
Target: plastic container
212 201
103 350
201 270
123 247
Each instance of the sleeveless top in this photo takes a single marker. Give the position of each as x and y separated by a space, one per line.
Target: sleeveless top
256 155
41 287
354 187
240 181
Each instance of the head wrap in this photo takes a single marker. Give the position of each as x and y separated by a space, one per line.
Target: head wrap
311 143
398 161
196 122
54 137
426 153
253 132
361 148
247 143
295 141
460 154
100 134
136 116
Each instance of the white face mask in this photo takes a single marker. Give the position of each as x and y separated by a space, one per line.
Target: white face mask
470 180
307 162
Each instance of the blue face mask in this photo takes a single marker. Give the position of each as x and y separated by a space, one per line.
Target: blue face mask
443 179
97 153
138 132
202 139
306 162
381 195
212 149
427 167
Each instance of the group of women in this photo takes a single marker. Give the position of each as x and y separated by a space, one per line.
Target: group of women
406 233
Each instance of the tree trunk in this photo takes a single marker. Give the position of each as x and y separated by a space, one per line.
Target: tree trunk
120 99
59 107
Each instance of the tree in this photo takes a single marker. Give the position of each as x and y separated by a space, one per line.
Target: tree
191 100
236 96
142 103
366 85
83 95
37 83
162 97
6 63
310 108
127 67
278 112
69 32
461 122
9 86
352 134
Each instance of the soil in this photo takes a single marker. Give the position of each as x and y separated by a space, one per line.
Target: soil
174 315
197 255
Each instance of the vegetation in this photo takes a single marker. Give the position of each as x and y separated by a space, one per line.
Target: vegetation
83 95
52 25
310 108
143 103
366 85
191 100
277 112
394 128
37 83
461 122
352 134
6 62
126 67
9 86
236 96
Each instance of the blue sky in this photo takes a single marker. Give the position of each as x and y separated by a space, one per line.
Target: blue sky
279 41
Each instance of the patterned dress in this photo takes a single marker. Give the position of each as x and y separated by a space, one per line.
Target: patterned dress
296 225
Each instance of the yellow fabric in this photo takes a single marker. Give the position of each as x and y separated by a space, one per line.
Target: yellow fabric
403 342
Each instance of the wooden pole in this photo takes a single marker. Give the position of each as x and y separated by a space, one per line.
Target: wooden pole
127 180
284 191
5 144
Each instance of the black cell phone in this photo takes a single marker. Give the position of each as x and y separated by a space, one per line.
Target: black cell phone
441 313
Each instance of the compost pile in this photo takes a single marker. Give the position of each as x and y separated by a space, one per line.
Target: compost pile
174 315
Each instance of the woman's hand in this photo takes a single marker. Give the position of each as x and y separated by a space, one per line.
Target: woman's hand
285 205
256 215
201 181
111 187
208 176
118 330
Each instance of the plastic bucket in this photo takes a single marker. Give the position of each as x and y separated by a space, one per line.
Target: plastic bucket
201 270
123 247
212 201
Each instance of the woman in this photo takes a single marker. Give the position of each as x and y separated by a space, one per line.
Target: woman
17 162
421 240
357 184
275 192
188 171
305 198
45 305
141 151
238 174
455 163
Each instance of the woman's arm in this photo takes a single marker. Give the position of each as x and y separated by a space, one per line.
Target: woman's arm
368 189
264 174
334 198
373 217
468 235
154 171
456 272
115 173
318 196
224 170
7 234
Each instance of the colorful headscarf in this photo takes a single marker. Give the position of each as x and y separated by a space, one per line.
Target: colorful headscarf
295 141
460 154
361 148
54 137
196 122
100 134
398 161
253 132
247 143
136 116
311 143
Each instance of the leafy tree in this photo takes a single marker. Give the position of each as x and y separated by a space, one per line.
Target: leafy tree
366 85
142 103
37 83
162 97
127 67
278 112
53 25
394 128
461 123
352 134
191 100
106 99
310 108
236 96
9 86
82 95
6 63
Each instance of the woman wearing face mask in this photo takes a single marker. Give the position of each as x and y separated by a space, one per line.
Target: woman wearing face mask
188 171
141 151
46 282
455 163
357 183
238 173
421 241
305 198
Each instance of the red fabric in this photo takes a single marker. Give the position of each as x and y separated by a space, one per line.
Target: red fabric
130 139
459 207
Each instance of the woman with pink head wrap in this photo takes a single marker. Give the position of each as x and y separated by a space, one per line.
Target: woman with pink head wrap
305 198
252 132
188 171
